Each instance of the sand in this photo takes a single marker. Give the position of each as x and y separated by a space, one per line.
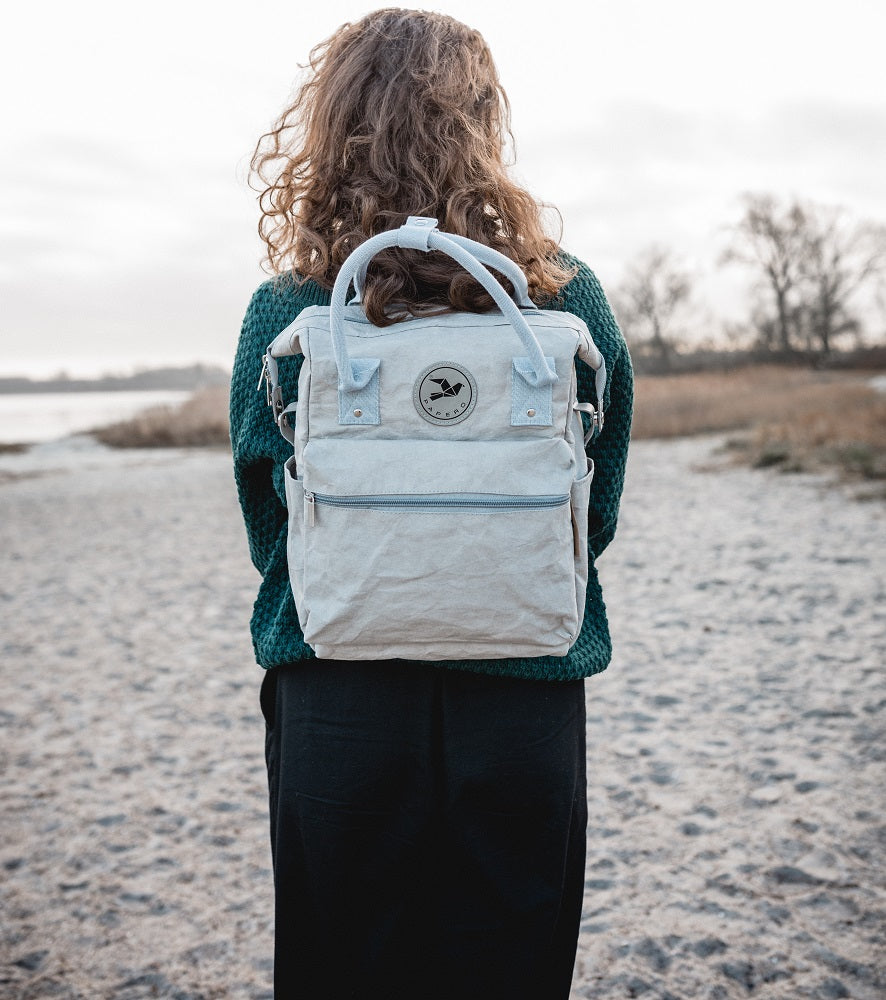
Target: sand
735 755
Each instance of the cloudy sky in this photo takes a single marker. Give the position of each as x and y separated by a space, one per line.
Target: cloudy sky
127 229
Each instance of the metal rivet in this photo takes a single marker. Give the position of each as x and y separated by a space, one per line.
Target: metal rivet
358 413
530 413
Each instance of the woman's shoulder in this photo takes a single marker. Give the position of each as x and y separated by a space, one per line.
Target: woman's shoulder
285 295
583 296
274 304
584 286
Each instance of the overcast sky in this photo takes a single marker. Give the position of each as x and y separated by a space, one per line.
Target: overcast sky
128 231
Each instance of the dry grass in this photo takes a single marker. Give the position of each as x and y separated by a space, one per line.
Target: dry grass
200 421
846 430
704 402
796 419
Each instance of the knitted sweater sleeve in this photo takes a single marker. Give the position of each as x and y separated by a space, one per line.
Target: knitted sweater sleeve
584 297
259 450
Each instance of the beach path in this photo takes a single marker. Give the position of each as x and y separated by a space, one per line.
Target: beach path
736 760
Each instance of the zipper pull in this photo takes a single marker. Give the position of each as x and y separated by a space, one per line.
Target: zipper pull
310 508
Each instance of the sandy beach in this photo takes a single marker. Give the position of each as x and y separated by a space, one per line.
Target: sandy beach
736 759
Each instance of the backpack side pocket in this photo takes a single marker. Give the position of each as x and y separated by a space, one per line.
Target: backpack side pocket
579 499
295 540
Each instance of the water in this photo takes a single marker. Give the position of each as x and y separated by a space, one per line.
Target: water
47 416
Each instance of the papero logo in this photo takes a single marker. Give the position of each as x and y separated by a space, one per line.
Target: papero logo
445 393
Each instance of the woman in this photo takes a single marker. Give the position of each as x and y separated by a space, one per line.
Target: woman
428 819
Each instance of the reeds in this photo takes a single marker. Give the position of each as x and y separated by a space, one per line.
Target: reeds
796 419
705 402
845 429
200 421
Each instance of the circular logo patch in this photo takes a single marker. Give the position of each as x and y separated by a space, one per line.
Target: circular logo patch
445 394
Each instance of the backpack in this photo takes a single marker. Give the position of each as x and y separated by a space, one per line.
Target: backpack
438 491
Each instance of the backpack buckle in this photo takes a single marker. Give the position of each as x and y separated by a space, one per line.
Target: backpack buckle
265 377
275 400
596 415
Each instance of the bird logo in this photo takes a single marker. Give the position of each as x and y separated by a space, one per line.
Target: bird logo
445 393
448 390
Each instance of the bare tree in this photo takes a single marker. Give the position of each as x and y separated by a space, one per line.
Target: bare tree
811 264
771 240
648 301
839 260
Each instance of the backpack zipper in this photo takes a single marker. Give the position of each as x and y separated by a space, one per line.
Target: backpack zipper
407 501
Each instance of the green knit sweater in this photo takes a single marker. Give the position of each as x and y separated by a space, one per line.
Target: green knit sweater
260 451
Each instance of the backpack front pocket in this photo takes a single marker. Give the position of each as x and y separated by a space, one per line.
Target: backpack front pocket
500 564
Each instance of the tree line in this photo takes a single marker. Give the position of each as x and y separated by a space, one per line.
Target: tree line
810 266
186 377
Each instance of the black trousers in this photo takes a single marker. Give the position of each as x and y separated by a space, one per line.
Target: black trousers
427 831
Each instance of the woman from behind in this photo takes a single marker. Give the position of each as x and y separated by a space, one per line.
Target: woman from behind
428 819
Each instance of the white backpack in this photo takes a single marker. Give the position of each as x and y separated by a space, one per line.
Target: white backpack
438 491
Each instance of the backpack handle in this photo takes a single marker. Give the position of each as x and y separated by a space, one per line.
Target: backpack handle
485 254
421 233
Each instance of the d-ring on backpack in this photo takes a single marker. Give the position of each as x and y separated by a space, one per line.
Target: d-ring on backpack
438 491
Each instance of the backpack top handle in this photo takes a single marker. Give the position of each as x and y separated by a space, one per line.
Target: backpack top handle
485 254
421 233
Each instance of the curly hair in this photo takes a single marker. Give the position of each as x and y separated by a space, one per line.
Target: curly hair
402 114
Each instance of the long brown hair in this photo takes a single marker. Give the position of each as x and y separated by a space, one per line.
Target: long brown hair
402 114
